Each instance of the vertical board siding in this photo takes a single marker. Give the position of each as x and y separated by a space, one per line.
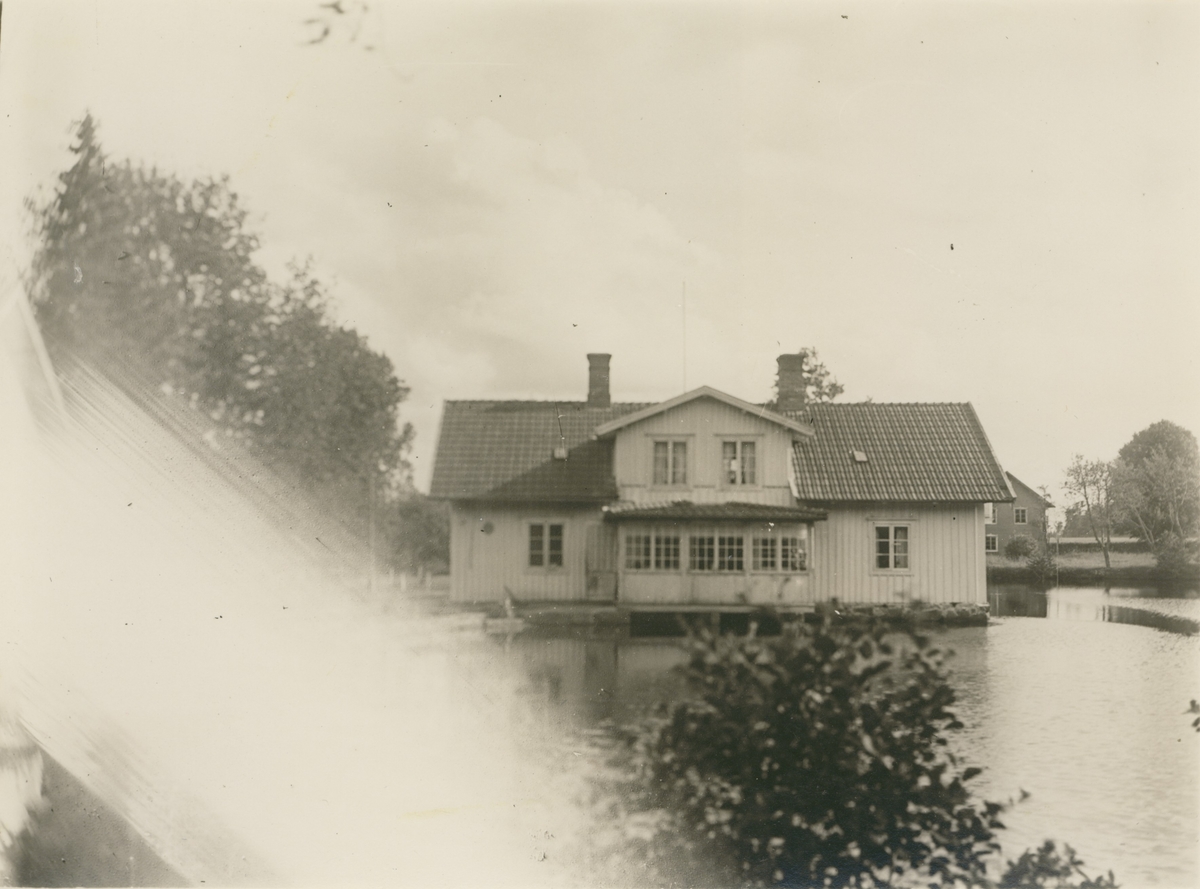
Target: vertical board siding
704 423
483 565
945 551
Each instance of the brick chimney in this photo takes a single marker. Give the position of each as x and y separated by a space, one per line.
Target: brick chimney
598 395
790 383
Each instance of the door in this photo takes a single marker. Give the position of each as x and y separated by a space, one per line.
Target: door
600 563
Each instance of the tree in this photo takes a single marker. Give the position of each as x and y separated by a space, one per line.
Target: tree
152 281
1091 482
1156 482
815 379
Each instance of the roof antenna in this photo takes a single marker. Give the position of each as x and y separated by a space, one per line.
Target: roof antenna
684 307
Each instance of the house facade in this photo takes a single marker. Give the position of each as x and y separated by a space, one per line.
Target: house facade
1026 514
705 501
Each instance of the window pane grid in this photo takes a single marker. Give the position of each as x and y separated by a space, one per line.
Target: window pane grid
763 554
666 553
729 554
701 553
536 546
637 551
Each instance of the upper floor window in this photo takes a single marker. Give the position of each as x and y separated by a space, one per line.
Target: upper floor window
670 463
990 543
738 463
545 545
891 547
989 513
1019 515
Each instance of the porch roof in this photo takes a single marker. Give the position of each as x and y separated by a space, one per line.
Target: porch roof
686 511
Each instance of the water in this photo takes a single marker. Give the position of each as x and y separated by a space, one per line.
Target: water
1074 696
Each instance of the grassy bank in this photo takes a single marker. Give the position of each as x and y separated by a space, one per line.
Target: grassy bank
1087 569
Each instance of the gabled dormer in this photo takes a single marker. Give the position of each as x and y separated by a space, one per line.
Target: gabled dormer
703 446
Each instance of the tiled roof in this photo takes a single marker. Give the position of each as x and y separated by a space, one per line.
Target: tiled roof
686 511
1014 481
913 452
504 450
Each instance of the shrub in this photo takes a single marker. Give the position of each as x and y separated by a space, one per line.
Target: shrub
1175 562
1020 546
1043 567
1048 869
818 757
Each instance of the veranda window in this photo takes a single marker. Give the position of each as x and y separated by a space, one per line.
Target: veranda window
637 552
729 553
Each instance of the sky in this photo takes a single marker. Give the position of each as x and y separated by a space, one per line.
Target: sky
988 202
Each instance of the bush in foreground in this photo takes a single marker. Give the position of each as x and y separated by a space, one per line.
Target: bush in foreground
816 758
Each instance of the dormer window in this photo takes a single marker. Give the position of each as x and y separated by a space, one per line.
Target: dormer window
738 463
670 463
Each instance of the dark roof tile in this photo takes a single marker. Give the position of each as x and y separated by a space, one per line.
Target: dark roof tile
504 450
914 452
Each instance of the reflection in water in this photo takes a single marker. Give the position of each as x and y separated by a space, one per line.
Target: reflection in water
1085 715
1123 605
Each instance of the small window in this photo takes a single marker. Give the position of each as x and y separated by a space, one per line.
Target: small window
729 554
989 513
666 552
1019 516
702 554
637 552
670 463
545 546
991 543
738 463
891 547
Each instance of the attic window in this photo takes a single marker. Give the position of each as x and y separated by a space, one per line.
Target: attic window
859 456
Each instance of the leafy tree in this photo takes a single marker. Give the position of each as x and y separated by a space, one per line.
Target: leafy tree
152 281
418 533
1156 481
819 383
1091 482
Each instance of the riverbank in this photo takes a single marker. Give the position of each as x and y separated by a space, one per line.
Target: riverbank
1086 568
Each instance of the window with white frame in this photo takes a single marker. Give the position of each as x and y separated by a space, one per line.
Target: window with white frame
1019 515
738 463
702 551
891 548
666 552
545 545
780 551
670 463
658 551
991 543
989 513
730 556
637 552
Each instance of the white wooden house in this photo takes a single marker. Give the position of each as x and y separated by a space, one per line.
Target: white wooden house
708 501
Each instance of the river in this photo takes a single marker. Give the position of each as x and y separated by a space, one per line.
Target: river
1076 697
